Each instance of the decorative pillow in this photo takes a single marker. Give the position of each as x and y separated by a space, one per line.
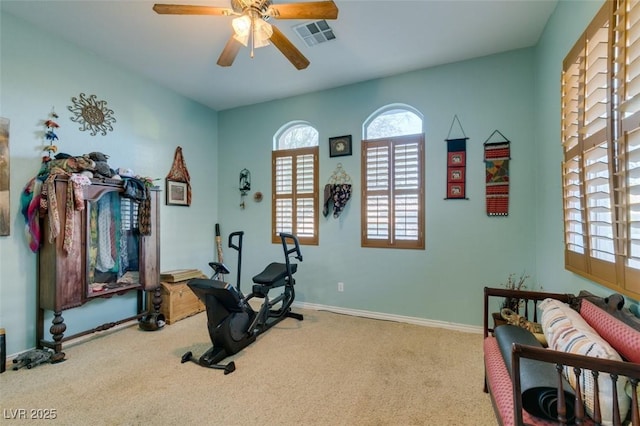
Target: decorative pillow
567 331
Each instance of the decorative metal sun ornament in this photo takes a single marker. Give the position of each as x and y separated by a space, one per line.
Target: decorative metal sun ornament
92 114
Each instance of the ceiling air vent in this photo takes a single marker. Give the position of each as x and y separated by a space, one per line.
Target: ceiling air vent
313 33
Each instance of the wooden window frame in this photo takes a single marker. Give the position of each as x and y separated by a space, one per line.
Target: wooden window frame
295 196
391 241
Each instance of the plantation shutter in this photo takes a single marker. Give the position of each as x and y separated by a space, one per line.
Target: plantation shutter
587 144
377 190
628 144
295 194
393 198
574 212
601 144
406 183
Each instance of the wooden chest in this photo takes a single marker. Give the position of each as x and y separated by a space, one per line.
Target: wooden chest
178 301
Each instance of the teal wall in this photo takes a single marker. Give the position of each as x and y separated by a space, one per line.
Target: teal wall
39 72
515 92
465 249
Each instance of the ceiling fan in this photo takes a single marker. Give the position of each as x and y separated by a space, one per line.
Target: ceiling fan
251 27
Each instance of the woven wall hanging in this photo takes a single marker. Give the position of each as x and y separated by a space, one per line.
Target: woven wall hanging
178 181
456 164
497 155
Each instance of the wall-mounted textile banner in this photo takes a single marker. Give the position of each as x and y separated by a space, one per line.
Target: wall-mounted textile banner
456 164
496 158
456 168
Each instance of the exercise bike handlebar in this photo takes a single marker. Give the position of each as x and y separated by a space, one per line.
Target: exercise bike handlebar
285 236
238 247
239 234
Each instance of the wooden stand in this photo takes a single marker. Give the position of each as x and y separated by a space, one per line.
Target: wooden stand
67 280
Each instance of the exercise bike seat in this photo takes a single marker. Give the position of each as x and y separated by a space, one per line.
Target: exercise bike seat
273 275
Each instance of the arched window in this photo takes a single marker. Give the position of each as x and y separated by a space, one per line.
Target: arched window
295 134
393 179
294 186
393 120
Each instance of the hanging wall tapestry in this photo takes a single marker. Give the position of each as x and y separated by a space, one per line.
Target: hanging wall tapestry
456 164
496 158
178 189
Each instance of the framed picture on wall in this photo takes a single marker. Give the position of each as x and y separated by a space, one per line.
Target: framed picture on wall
177 193
339 146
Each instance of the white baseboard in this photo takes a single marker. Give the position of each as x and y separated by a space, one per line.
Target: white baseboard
391 317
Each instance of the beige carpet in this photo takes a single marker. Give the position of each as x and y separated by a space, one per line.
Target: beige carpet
329 369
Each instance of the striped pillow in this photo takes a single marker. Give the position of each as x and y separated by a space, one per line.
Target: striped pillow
567 331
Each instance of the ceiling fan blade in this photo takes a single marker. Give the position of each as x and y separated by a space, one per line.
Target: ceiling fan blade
229 52
181 9
309 10
288 49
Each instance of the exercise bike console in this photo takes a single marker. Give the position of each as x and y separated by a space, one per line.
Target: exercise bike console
231 321
225 294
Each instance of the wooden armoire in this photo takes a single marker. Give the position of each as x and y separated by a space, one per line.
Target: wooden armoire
106 254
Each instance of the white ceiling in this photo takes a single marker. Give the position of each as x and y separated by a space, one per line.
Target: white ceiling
375 38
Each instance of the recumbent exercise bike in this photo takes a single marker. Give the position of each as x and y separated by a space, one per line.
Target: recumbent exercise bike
233 324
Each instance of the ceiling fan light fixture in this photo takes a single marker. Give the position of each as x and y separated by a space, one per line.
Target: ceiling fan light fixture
251 27
243 25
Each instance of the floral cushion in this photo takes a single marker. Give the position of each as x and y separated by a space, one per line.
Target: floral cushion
624 338
567 331
499 382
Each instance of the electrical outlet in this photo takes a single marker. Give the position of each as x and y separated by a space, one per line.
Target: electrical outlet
340 286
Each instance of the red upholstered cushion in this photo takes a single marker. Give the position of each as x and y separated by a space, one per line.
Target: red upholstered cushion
499 382
624 338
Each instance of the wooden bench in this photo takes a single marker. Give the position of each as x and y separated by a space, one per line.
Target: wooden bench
613 323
